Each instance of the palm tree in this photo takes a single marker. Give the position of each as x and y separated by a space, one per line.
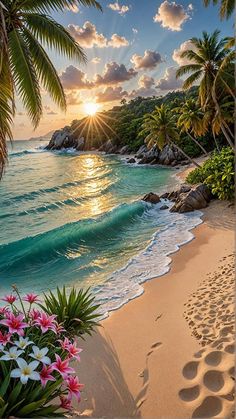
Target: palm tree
191 121
26 28
226 7
159 128
212 64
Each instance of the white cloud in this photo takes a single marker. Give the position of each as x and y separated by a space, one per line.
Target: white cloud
118 41
146 87
111 94
114 74
116 7
72 78
135 31
73 8
149 61
169 80
96 60
178 51
172 15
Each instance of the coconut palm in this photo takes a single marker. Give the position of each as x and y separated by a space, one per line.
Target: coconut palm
226 7
191 121
159 128
26 28
212 65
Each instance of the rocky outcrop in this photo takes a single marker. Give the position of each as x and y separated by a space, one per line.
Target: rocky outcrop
108 147
124 150
195 199
167 156
152 198
65 139
132 160
170 156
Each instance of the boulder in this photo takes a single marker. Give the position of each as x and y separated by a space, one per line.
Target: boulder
124 150
197 198
164 207
60 139
106 146
80 144
132 160
168 155
141 151
152 198
146 160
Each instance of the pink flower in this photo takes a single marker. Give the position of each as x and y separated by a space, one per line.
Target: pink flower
74 387
46 322
59 328
35 314
45 375
62 367
15 323
74 351
10 299
3 310
65 403
64 343
5 338
31 298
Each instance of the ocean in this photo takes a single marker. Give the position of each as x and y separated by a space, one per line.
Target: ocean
77 219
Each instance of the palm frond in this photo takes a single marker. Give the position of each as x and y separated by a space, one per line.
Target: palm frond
56 5
45 70
24 76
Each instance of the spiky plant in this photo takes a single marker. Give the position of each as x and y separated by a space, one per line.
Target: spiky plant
226 7
26 29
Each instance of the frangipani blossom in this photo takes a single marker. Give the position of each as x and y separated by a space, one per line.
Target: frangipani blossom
40 355
26 371
12 354
22 343
45 322
74 387
31 298
15 323
10 299
45 375
62 367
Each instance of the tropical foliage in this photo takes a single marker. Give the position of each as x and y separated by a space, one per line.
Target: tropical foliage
226 7
26 29
76 310
217 173
35 356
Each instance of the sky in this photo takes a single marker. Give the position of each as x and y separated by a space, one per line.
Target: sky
133 49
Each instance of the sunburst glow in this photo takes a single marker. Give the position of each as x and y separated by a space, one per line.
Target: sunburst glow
91 108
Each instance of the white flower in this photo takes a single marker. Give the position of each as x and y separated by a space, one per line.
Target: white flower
1 347
13 353
39 355
26 371
22 343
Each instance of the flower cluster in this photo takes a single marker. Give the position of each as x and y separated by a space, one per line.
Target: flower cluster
37 352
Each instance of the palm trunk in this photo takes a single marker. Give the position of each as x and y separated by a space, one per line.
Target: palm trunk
198 144
184 154
227 136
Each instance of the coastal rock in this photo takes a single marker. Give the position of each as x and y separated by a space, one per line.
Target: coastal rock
197 198
141 151
107 146
152 198
80 144
132 160
168 155
124 150
164 207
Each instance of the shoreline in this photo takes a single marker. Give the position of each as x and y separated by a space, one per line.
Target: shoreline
144 346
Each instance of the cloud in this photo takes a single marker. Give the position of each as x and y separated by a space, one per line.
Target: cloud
87 35
96 60
149 61
177 52
114 74
111 93
73 98
169 81
172 15
118 41
73 8
146 87
116 7
73 78
135 31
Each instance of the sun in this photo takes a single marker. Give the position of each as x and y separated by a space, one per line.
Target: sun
91 108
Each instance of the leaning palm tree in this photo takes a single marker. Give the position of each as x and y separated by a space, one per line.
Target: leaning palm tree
26 28
191 121
226 7
212 65
159 128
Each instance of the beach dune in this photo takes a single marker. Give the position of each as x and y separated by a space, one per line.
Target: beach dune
168 353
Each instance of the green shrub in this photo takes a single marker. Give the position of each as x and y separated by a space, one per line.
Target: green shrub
76 311
217 173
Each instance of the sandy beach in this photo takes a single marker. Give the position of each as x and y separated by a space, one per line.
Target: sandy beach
169 353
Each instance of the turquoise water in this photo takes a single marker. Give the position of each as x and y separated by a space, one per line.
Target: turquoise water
77 219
